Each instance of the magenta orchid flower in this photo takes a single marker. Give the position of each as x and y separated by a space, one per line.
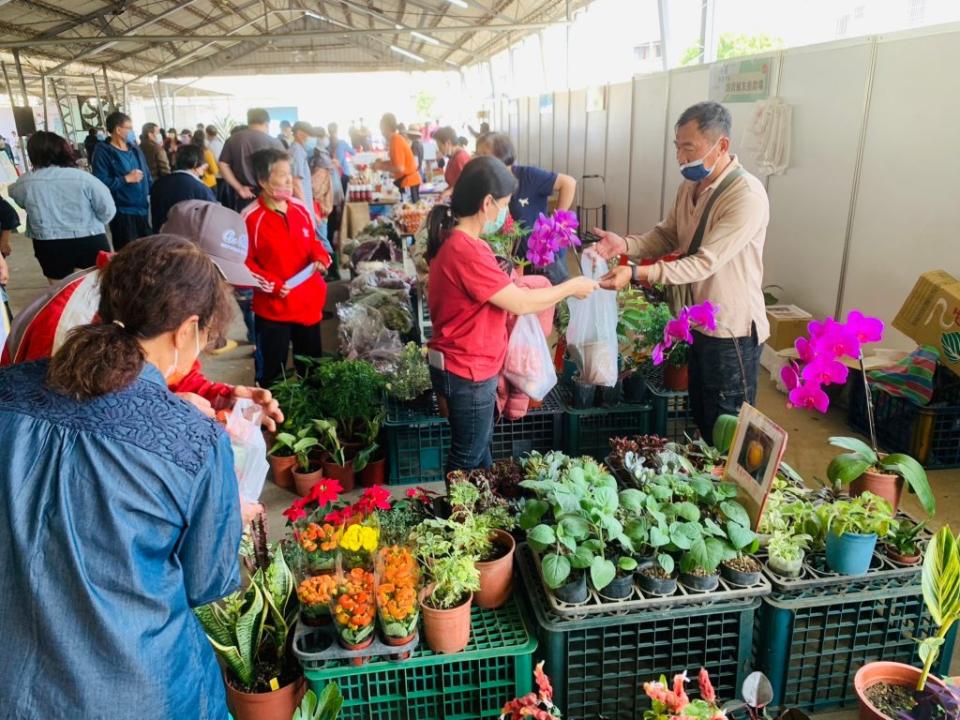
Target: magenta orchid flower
825 370
657 354
838 340
804 349
550 236
866 329
678 329
704 315
809 395
790 374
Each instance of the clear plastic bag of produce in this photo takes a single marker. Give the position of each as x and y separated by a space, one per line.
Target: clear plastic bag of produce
592 332
363 336
529 366
249 448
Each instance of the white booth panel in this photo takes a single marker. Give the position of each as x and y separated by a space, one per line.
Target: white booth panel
646 159
578 133
546 140
617 172
561 129
533 135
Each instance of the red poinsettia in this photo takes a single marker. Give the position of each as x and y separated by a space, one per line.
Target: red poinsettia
373 498
325 492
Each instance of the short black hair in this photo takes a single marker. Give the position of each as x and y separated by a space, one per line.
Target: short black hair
115 119
445 135
264 160
212 131
712 118
257 116
501 146
285 124
46 148
188 157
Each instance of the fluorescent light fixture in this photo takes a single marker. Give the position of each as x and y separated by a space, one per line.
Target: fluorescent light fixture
407 53
398 27
425 38
458 3
339 24
312 14
451 62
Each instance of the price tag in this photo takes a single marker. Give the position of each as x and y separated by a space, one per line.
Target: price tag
274 684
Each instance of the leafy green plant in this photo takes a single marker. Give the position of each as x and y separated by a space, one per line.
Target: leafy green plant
325 707
295 398
904 537
865 514
444 551
249 629
788 547
347 391
630 327
397 523
479 512
369 437
649 328
330 441
940 579
411 376
300 445
846 468
506 244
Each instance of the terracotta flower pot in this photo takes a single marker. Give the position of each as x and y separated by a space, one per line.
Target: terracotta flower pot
887 486
903 559
277 705
343 473
893 673
398 642
375 473
281 466
496 576
676 378
304 481
357 661
446 631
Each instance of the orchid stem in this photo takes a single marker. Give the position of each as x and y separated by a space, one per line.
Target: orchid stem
869 398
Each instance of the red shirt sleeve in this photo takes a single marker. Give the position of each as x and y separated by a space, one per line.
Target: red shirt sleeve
457 163
253 220
479 272
195 382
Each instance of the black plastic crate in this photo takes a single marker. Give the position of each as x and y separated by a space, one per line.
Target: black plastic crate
930 434
672 417
588 431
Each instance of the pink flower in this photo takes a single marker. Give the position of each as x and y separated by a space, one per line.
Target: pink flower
809 395
706 687
825 370
679 690
866 329
790 374
817 328
804 349
704 315
678 328
837 340
657 354
543 682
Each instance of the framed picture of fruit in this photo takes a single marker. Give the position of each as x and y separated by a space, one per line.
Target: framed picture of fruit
754 457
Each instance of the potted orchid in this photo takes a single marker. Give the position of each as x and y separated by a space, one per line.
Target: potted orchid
551 236
864 468
677 337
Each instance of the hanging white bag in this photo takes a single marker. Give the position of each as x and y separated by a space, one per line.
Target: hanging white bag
528 365
249 448
592 331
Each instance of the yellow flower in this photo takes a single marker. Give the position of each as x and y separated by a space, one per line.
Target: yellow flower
351 538
368 538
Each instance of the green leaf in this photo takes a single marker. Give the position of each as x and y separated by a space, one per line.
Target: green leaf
556 570
533 511
701 486
569 542
856 446
611 525
627 563
723 431
683 535
575 526
666 562
632 500
705 553
658 537
658 492
941 577
916 477
736 512
846 468
582 558
602 572
711 528
740 537
331 701
929 648
606 498
567 500
688 511
542 534
726 491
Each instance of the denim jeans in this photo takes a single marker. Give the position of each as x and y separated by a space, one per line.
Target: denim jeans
716 383
471 406
245 301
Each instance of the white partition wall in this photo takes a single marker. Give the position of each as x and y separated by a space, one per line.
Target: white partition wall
546 140
561 131
647 148
617 165
578 133
532 156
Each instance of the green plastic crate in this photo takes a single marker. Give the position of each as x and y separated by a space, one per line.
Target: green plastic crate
811 644
672 415
598 664
495 667
588 431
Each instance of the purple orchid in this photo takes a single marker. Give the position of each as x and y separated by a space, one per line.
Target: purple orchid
809 395
704 315
866 329
550 236
825 370
680 328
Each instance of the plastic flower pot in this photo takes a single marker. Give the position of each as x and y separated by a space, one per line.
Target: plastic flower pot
357 661
375 473
584 395
785 568
496 576
610 396
655 585
699 583
574 592
275 705
901 559
620 588
343 473
281 467
676 378
304 481
893 673
738 577
850 553
398 642
885 485
446 631
635 388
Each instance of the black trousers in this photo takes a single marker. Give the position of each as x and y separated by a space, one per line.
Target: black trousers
716 383
273 347
124 229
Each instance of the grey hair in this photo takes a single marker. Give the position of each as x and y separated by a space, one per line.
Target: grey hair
712 118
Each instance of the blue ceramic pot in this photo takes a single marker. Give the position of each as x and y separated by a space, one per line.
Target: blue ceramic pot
849 553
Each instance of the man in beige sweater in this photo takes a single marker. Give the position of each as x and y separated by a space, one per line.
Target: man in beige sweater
726 267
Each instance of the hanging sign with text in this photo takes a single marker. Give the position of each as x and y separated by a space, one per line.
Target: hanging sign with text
740 81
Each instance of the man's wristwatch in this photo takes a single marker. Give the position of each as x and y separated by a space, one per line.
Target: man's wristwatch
633 274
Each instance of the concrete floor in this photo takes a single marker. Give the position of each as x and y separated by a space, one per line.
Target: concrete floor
807 449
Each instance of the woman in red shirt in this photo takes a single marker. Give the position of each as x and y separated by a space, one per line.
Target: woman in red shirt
287 260
457 157
469 298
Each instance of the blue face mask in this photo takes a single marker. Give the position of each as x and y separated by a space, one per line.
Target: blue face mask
310 144
101 136
492 226
696 171
132 137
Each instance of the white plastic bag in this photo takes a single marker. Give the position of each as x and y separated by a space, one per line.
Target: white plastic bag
592 331
249 448
528 365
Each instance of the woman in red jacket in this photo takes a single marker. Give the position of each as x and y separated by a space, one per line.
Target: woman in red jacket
287 261
469 298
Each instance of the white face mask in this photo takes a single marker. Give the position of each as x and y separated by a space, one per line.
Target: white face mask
173 370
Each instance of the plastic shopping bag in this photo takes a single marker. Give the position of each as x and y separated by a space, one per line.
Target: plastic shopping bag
528 366
592 331
249 448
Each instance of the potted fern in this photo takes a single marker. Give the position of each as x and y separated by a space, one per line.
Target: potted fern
336 465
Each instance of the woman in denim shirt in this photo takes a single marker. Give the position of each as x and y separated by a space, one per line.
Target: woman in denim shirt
119 506
67 208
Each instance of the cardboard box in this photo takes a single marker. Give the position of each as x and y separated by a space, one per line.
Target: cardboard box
931 316
787 323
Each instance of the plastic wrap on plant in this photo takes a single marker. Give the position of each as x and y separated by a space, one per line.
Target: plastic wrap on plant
363 336
393 306
249 448
375 250
386 278
592 331
528 365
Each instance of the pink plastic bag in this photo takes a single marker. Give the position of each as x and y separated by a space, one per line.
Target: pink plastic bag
528 365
